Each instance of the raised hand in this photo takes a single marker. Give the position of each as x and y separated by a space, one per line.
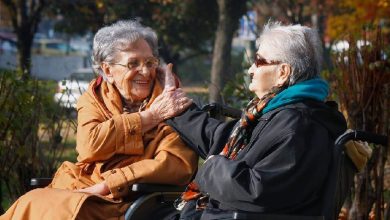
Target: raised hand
169 79
170 103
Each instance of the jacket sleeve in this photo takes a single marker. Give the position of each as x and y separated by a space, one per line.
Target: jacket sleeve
99 138
173 163
289 170
203 134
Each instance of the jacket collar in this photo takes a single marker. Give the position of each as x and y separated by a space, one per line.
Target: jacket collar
108 97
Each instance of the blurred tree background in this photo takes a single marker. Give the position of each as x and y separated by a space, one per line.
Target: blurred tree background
25 17
196 36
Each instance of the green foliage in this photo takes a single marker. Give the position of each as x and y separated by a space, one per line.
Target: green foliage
78 17
195 70
185 27
32 131
177 22
235 92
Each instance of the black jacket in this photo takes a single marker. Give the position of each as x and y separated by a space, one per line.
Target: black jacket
282 169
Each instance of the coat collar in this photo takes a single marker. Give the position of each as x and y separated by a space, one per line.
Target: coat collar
108 97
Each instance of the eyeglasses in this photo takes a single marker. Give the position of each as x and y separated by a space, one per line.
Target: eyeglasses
150 62
260 61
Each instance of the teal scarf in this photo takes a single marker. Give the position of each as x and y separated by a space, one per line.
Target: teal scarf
316 89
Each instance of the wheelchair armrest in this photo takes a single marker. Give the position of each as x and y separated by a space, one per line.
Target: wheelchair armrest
147 187
248 216
40 182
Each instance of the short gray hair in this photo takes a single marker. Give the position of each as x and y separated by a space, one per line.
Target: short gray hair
117 37
297 45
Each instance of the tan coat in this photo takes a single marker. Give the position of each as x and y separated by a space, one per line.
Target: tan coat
111 147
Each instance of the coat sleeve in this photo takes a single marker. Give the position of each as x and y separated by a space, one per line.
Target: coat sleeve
99 138
173 163
203 134
291 172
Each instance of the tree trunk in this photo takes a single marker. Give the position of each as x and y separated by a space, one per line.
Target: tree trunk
24 53
25 17
221 53
229 11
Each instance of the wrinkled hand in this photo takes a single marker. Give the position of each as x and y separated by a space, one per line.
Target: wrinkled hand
172 101
99 188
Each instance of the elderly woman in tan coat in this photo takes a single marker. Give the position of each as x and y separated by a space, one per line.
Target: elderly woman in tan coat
121 139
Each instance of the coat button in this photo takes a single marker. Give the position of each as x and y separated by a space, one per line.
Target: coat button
132 131
113 171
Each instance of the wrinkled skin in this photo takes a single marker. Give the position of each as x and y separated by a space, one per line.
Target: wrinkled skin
172 101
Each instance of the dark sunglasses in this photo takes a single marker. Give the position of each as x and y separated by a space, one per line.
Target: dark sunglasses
260 61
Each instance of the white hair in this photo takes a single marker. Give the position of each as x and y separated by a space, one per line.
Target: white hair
117 37
297 45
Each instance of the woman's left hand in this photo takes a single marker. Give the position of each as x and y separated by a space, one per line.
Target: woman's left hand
99 188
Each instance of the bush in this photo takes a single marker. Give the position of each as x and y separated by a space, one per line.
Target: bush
361 82
236 92
33 129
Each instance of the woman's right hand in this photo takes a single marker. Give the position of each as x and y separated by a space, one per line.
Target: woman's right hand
170 103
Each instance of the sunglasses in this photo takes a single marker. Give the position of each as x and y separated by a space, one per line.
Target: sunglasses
260 61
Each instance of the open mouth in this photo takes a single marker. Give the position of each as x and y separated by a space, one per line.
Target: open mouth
251 76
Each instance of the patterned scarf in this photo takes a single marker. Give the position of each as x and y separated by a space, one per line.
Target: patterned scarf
240 136
237 141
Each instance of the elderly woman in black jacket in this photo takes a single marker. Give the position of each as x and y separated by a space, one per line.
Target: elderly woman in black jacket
276 158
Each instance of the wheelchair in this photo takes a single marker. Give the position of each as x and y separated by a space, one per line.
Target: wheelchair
156 200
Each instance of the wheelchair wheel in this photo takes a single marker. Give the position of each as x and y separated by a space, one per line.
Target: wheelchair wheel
153 206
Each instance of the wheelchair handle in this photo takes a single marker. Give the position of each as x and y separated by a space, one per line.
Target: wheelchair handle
362 136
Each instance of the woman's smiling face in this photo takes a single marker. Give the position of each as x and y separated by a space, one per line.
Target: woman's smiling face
134 71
